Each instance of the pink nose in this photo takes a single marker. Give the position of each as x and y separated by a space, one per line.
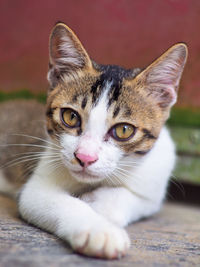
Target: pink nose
85 160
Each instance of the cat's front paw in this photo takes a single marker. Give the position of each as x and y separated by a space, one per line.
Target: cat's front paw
103 241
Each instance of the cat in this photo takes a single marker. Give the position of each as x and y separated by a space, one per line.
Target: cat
105 158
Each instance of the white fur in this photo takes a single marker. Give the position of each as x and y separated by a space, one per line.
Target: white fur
89 210
143 190
45 201
92 142
92 224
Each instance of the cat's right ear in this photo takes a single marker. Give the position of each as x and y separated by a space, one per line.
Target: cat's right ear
66 54
160 80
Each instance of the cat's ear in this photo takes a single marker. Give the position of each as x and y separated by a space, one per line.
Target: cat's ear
66 54
161 79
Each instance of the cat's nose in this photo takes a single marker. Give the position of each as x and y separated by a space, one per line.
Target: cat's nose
85 160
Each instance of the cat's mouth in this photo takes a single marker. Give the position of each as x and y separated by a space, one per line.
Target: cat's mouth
84 176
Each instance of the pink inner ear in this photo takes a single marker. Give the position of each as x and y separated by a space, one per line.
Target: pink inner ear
165 73
163 80
167 97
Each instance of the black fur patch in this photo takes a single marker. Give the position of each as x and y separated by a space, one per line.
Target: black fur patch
141 152
148 134
79 131
127 112
74 98
97 89
84 102
49 112
110 74
132 147
50 131
57 127
116 111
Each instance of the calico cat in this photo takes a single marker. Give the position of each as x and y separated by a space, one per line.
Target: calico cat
106 157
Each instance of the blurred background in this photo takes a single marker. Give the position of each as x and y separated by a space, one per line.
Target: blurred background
125 32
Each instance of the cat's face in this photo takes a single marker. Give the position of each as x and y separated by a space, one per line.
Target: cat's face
103 116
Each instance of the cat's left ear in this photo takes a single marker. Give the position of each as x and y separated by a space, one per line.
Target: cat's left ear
66 54
161 79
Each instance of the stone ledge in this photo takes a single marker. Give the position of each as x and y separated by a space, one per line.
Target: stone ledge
170 238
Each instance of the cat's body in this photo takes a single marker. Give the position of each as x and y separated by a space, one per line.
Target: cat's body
108 159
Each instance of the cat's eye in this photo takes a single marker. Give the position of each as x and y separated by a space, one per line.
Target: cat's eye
122 131
70 118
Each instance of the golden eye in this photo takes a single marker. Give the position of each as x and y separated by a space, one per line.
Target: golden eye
70 118
123 131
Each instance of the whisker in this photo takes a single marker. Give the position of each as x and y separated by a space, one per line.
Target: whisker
109 180
34 166
36 156
130 172
129 165
44 164
53 166
37 138
120 177
41 153
127 174
30 145
178 184
124 177
24 159
118 180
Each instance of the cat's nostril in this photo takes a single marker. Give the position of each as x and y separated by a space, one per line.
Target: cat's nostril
85 160
79 161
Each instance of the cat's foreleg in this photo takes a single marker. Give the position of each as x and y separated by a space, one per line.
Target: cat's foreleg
119 205
48 206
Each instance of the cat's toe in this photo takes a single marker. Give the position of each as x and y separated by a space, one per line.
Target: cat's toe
117 244
107 242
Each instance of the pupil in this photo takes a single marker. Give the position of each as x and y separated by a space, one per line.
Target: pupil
72 116
124 129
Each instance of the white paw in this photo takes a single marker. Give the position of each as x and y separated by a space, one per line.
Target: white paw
103 241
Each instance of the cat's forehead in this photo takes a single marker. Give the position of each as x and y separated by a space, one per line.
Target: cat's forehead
87 88
113 75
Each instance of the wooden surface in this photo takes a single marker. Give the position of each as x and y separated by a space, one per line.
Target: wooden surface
170 238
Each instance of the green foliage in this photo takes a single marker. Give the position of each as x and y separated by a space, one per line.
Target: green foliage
185 117
187 169
187 139
22 94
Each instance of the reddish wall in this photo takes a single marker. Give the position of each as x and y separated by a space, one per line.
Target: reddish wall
126 32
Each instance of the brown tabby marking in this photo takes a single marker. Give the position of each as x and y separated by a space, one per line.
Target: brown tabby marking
131 97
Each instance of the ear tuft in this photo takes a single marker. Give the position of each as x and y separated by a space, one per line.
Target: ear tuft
66 53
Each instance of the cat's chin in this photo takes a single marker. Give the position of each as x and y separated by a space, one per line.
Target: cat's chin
85 177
